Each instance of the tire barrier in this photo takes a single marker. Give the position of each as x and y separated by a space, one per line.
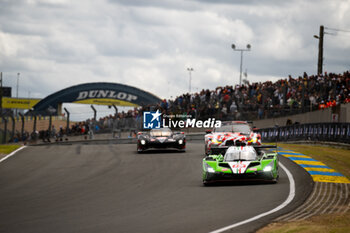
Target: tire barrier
334 132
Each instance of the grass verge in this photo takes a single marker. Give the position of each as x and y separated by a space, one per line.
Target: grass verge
317 224
336 158
7 149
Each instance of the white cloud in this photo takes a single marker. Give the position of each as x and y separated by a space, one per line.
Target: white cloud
8 45
149 44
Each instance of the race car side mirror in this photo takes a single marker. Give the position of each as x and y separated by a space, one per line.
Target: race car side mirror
208 131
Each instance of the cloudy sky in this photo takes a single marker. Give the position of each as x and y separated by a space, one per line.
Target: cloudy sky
149 44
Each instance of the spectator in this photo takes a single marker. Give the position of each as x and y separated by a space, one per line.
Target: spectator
248 101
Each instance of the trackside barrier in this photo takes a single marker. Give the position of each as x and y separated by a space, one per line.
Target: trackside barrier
4 134
334 132
127 124
12 128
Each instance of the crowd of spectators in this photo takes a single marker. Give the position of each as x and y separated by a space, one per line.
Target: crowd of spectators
120 120
264 99
242 102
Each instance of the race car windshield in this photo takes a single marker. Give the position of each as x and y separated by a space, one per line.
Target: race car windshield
238 155
245 129
164 132
239 128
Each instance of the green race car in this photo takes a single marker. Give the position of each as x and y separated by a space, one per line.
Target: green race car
241 163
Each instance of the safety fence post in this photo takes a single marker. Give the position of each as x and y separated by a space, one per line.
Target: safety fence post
13 127
34 124
22 126
50 125
68 114
5 130
92 126
116 110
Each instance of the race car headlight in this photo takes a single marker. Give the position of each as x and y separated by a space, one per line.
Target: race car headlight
143 142
209 168
180 141
269 167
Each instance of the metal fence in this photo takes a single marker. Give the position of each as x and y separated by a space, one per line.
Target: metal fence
127 124
13 128
336 132
247 114
24 128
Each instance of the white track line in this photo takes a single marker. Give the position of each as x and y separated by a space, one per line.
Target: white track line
346 198
335 197
316 205
12 153
339 197
297 211
312 203
284 204
320 206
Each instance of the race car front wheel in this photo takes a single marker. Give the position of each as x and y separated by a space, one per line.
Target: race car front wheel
206 183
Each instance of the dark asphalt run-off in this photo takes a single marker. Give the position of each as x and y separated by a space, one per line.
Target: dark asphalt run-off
111 188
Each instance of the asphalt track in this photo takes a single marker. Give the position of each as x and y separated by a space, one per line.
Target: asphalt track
111 188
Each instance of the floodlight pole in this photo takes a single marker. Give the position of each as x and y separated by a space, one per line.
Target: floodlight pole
17 90
189 71
240 69
17 84
320 50
241 65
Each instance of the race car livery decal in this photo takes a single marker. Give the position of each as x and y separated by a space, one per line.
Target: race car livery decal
161 139
239 167
224 139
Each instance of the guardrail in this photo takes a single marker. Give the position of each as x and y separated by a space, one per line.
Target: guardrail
24 128
334 132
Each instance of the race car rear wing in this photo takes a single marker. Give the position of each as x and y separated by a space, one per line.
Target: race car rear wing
222 149
218 150
264 146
